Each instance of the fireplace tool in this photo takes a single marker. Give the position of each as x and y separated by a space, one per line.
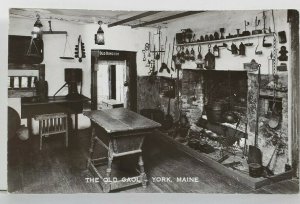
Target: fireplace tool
164 66
168 123
255 154
173 57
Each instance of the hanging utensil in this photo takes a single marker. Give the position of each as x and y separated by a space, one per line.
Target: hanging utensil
199 53
266 44
187 54
173 57
80 49
164 66
149 51
258 52
209 59
192 54
164 50
159 45
182 55
275 118
178 55
242 49
168 70
255 154
144 55
66 44
199 60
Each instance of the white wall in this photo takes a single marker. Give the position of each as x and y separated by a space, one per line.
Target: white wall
210 22
119 38
53 49
116 38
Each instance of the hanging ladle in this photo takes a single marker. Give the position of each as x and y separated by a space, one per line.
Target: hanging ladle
67 42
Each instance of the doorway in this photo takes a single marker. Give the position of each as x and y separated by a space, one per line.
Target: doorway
114 77
111 76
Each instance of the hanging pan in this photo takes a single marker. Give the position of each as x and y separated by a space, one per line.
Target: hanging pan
67 44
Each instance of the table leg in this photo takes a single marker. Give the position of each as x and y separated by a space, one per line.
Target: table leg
143 175
110 159
91 150
76 124
106 187
29 126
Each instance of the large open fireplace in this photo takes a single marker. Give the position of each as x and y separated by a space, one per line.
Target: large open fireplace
237 92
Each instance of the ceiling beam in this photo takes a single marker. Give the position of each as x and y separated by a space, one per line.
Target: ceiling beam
136 17
180 15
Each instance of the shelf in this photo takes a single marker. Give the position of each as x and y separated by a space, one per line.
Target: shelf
225 40
214 70
55 32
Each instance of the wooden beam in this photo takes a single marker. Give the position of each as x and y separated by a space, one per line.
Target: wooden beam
136 17
180 15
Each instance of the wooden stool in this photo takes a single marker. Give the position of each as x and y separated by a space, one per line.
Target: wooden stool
50 124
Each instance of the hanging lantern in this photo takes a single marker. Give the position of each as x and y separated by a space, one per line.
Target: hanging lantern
37 28
209 59
99 36
216 51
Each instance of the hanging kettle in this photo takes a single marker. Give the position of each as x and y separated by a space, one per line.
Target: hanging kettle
209 59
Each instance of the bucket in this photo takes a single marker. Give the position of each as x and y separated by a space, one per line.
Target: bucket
255 170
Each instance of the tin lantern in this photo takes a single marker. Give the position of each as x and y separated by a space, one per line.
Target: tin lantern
99 36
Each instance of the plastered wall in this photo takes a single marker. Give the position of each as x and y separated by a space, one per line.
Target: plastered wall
116 38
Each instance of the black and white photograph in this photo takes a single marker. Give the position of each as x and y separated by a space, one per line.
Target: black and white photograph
152 101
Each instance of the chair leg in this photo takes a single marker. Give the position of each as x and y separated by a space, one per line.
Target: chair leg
41 139
67 133
40 133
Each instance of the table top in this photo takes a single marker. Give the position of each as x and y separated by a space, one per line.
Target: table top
51 99
120 120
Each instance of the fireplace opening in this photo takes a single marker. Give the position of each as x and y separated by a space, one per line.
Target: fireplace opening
227 87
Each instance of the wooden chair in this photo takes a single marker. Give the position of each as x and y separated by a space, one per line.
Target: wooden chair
50 124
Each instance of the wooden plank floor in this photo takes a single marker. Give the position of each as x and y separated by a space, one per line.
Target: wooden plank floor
57 169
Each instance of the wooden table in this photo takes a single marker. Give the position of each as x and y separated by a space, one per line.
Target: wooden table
30 107
121 132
